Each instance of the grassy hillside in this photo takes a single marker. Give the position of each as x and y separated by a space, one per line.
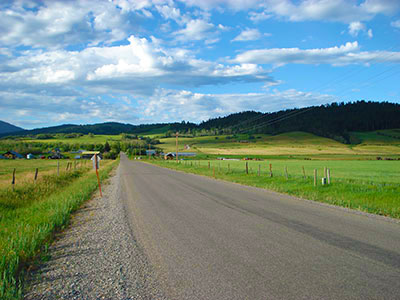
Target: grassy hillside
293 143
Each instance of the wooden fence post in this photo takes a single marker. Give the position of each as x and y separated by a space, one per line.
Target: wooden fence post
304 173
325 172
259 169
247 167
329 176
36 174
13 179
286 173
209 165
97 174
229 168
58 168
315 177
270 170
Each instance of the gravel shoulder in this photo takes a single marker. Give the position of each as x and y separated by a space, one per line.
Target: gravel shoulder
96 257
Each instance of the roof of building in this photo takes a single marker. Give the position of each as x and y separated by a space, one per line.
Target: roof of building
90 152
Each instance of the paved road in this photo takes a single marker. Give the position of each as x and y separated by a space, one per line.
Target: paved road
208 239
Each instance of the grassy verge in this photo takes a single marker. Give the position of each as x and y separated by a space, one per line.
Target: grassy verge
32 213
377 197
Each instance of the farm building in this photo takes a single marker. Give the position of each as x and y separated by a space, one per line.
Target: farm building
89 154
12 155
150 152
171 155
30 156
57 155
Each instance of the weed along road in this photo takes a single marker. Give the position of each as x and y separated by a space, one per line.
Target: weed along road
209 239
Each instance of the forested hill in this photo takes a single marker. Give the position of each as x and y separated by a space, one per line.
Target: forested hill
106 128
7 127
333 121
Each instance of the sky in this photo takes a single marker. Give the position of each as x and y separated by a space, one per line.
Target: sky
156 61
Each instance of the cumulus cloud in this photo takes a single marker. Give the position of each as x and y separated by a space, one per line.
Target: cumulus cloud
62 23
196 30
64 80
248 35
356 27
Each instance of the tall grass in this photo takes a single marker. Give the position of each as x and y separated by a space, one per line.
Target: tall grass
29 216
378 197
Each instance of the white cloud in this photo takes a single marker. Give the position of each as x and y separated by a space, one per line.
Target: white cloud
196 30
329 10
132 5
139 67
231 4
342 55
248 35
174 105
355 28
396 24
295 55
387 7
170 13
56 24
259 16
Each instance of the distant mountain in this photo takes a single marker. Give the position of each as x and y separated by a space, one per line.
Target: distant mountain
8 128
111 128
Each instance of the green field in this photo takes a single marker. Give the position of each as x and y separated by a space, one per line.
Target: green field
85 139
371 186
290 144
31 213
25 169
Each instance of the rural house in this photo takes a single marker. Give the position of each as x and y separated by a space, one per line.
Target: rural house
12 155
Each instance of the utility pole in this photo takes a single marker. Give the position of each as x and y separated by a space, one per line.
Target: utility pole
149 151
177 146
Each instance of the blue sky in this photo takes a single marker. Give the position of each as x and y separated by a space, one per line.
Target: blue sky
150 61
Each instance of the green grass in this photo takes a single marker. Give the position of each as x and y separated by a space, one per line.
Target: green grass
25 169
292 143
370 186
85 139
30 215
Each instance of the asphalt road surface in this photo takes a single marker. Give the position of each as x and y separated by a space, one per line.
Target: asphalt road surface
209 239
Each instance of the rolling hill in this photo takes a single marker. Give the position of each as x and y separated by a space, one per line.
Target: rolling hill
8 128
